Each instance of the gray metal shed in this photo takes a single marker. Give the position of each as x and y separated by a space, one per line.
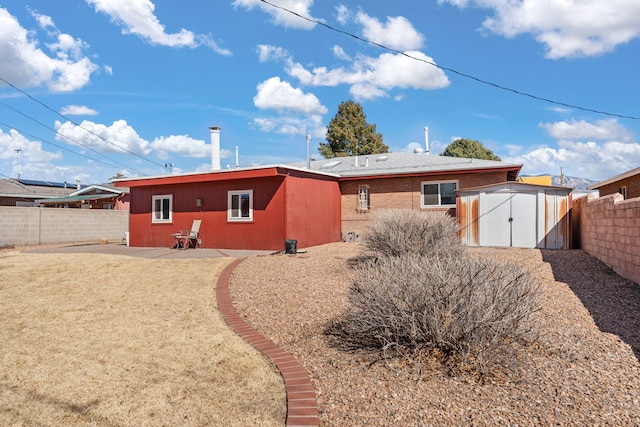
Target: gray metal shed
515 214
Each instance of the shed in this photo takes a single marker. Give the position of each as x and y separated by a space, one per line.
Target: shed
513 214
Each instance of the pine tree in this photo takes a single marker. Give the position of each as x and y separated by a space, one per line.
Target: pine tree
349 134
469 149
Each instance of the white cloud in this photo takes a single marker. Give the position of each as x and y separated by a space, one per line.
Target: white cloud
118 138
268 52
78 110
372 78
581 159
280 95
339 53
397 33
181 145
280 16
601 130
568 28
291 125
597 150
137 17
343 15
25 64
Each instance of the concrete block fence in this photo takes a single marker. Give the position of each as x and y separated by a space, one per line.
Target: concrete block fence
22 226
610 231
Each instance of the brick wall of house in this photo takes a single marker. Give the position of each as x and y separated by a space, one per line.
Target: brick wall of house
632 183
610 231
21 226
401 193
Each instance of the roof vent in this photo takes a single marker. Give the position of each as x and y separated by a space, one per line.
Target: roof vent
331 164
382 158
417 150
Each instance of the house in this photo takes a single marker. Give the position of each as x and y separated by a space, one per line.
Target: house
627 184
249 208
91 197
26 193
406 180
316 202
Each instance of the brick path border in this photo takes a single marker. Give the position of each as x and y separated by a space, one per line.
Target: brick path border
302 407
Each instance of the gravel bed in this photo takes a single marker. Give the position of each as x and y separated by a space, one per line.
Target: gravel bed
585 369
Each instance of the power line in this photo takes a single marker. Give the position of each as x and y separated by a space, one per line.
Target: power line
64 136
78 125
459 73
71 151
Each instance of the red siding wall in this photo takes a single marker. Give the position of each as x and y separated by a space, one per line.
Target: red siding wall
284 207
265 232
313 211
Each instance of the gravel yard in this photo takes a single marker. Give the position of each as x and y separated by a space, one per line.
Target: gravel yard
584 370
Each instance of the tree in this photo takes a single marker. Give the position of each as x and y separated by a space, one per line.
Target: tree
349 134
469 149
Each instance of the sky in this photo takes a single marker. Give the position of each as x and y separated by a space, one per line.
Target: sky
90 89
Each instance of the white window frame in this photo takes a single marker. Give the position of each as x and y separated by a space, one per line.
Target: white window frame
156 215
438 183
231 215
364 198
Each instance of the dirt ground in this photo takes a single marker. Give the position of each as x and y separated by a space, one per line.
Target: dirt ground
94 339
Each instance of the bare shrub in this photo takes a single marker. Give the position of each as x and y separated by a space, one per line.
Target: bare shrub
466 311
395 232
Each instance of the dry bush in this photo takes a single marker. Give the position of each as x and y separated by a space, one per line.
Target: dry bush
472 314
395 232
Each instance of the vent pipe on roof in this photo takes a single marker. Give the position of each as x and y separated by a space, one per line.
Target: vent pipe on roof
308 151
78 184
237 159
214 131
426 140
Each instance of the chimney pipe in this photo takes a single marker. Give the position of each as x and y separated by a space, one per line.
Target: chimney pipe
426 140
237 158
214 132
308 152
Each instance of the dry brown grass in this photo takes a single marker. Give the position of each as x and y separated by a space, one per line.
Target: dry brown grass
111 340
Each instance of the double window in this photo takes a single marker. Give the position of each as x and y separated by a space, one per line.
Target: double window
435 194
240 205
162 208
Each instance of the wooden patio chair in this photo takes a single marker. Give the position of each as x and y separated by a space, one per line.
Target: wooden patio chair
186 238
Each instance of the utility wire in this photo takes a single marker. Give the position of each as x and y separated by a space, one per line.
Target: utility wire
78 125
459 73
69 150
64 136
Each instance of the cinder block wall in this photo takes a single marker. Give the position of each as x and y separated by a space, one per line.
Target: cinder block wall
39 226
610 231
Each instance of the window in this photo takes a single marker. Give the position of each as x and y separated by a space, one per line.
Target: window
623 191
162 208
363 198
240 205
439 193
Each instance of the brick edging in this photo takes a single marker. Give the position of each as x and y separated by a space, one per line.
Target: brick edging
302 407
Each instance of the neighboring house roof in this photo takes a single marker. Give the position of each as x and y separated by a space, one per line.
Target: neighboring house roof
390 164
96 189
345 168
32 189
624 175
73 199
